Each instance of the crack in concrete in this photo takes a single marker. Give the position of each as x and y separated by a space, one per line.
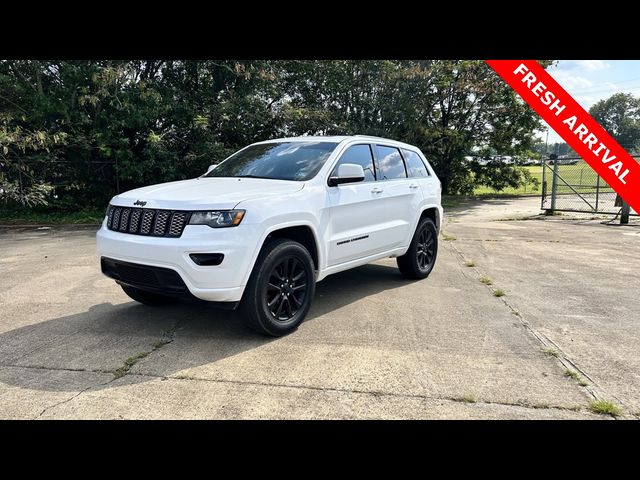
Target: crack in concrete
63 369
75 395
167 337
61 402
375 393
593 389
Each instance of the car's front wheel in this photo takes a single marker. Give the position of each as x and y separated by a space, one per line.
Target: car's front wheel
421 257
279 293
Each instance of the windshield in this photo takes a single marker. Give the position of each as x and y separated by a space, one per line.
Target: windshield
279 161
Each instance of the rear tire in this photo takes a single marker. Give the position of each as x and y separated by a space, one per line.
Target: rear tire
147 298
419 260
281 288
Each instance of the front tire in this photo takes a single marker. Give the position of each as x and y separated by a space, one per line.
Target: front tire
419 260
281 288
147 298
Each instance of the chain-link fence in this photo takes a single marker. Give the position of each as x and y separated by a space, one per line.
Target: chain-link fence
576 187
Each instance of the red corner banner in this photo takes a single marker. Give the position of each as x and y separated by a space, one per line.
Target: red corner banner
574 125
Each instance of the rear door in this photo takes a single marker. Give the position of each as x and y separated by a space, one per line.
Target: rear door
420 173
401 195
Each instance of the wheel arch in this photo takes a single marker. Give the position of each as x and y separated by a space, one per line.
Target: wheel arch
433 213
303 233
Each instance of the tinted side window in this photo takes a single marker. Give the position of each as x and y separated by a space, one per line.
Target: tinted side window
390 164
415 165
360 155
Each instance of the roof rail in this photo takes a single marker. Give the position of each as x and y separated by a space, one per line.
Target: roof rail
374 136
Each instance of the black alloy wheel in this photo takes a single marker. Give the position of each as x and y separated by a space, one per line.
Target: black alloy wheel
421 255
278 295
287 288
425 249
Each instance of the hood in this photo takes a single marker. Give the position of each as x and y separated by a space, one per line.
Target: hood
205 193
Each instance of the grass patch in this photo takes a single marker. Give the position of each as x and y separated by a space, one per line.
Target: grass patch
128 364
583 383
451 201
15 217
498 293
486 280
552 352
584 175
131 361
448 238
469 398
604 407
571 374
470 263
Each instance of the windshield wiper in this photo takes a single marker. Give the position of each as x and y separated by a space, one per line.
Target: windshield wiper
254 176
242 176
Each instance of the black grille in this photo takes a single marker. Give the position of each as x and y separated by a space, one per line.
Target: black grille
144 276
147 221
160 227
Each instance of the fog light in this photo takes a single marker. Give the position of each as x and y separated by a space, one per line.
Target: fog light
207 259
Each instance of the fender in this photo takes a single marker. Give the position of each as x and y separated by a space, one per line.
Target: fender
280 226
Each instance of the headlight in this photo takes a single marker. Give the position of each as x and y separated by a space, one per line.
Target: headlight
217 218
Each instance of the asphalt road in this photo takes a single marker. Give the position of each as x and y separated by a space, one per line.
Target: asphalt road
72 344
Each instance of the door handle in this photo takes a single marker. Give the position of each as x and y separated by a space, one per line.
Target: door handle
376 190
413 186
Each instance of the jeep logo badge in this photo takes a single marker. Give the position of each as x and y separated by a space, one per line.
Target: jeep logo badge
140 203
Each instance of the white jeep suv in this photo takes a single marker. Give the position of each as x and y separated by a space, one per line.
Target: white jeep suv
261 228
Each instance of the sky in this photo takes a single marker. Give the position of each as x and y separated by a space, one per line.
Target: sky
588 81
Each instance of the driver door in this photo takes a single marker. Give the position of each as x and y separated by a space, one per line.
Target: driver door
357 217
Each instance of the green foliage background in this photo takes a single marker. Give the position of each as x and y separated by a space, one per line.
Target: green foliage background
74 132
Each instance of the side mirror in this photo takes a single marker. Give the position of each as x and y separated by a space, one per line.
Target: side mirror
347 173
211 167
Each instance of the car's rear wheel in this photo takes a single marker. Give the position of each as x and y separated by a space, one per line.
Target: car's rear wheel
147 298
421 257
281 288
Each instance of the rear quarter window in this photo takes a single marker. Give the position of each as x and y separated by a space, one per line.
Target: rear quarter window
415 165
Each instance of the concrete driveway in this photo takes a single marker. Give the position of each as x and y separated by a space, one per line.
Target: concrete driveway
72 344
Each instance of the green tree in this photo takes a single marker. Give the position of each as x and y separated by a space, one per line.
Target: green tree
475 109
619 115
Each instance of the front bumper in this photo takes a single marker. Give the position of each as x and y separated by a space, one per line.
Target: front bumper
220 283
153 279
